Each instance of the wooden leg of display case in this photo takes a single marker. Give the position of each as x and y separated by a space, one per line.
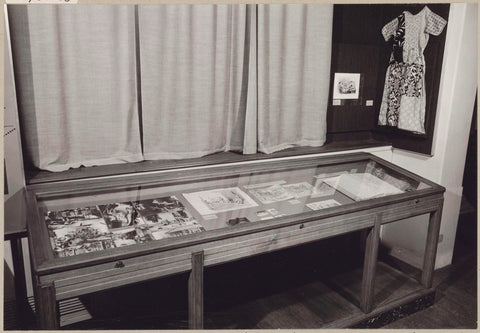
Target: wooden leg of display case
370 265
46 307
431 248
195 292
20 283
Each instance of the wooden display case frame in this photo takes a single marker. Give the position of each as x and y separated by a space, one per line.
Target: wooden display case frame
57 279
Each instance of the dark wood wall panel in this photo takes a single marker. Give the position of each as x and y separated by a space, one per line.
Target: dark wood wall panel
354 115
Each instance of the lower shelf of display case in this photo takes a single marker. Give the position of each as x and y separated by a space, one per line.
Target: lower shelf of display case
329 303
288 303
71 311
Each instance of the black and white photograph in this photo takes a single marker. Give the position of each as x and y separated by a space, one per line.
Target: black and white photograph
323 204
167 217
164 210
76 231
240 165
83 230
120 214
79 241
131 236
271 194
175 228
346 86
299 190
74 216
219 200
124 237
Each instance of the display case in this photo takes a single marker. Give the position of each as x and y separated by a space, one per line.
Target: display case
93 234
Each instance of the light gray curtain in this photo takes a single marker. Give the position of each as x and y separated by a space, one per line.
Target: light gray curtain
211 78
294 47
76 83
194 72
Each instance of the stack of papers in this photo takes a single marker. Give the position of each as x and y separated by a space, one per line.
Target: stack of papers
362 186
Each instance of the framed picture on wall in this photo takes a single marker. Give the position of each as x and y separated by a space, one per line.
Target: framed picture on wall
346 85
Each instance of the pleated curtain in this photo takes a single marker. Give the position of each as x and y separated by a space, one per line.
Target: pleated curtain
116 84
192 79
294 48
75 73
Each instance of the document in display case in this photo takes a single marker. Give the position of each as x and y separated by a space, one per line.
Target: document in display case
99 233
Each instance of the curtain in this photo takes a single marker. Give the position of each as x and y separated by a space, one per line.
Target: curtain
113 84
294 47
76 83
194 73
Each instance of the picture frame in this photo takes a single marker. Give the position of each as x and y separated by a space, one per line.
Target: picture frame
346 86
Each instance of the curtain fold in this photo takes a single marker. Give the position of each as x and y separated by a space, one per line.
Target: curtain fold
193 79
76 83
251 107
294 48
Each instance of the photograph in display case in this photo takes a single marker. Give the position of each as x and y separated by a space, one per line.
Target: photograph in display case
271 194
299 190
219 200
323 204
77 230
167 217
161 231
130 236
120 215
162 210
96 228
124 237
74 216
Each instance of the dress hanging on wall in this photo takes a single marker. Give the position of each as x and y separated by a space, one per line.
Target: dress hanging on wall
403 102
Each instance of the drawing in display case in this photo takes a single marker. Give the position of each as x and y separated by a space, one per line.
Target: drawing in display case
102 233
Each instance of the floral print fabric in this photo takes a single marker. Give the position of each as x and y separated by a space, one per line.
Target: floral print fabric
399 40
403 102
402 80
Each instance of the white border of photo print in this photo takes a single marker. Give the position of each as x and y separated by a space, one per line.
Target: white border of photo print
347 78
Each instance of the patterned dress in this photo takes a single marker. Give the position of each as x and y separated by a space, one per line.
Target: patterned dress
403 102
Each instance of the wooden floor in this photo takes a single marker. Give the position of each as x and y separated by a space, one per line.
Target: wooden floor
456 300
297 288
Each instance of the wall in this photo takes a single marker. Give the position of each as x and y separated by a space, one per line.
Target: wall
13 166
454 113
12 150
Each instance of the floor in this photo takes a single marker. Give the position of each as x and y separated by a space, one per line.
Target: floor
456 298
281 290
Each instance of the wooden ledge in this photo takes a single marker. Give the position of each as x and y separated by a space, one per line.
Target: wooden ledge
40 176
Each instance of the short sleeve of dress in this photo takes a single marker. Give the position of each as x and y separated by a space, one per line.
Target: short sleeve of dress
434 23
389 29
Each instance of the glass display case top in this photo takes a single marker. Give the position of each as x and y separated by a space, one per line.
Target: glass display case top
115 218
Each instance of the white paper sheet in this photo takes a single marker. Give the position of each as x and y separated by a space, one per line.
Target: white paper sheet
362 186
271 194
219 200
